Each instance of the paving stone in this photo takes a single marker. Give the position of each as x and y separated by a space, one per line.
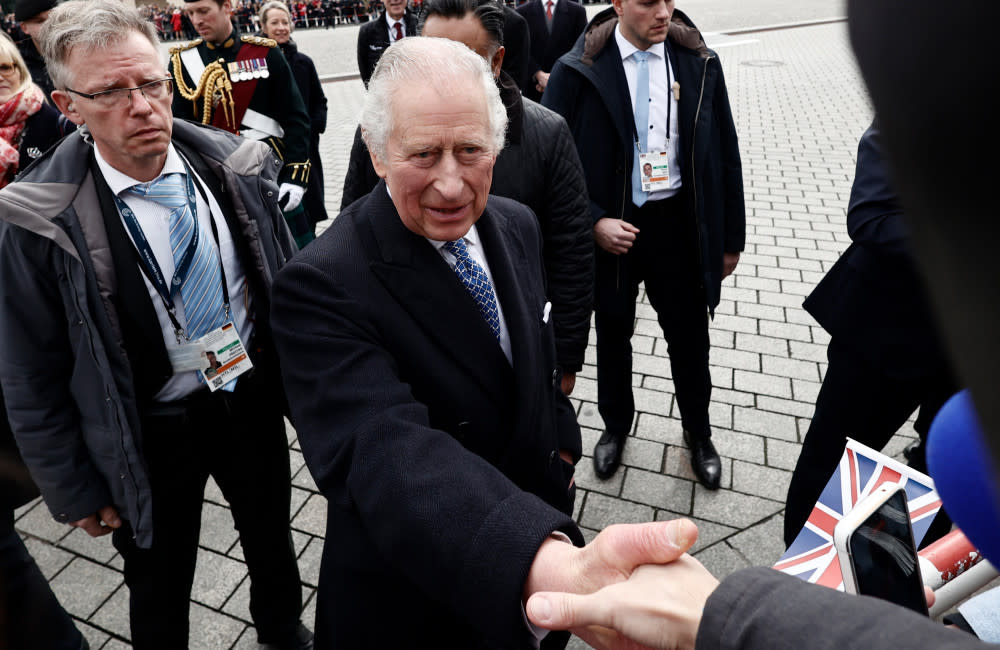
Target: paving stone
211 630
238 605
588 416
783 367
304 480
83 586
658 490
784 406
732 508
734 397
721 377
99 638
50 559
782 454
762 544
805 391
735 444
678 463
312 517
601 511
650 401
113 615
213 493
721 560
785 330
736 359
37 522
216 577
772 425
309 561
761 481
218 532
759 383
762 344
660 429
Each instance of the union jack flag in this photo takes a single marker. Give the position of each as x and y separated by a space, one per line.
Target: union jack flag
812 556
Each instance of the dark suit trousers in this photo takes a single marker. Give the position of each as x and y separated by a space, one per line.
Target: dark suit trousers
665 256
860 401
239 439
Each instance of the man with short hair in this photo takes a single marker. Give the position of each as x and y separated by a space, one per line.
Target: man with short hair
538 166
127 252
416 345
243 84
640 86
31 15
395 23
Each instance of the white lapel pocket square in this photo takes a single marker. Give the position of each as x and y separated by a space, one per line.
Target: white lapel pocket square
545 312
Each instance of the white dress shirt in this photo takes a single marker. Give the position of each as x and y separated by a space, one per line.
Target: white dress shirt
659 95
154 220
477 253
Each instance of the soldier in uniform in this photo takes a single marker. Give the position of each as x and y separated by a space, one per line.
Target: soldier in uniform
243 84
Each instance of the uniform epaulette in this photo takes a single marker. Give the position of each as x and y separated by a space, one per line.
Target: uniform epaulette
259 40
177 49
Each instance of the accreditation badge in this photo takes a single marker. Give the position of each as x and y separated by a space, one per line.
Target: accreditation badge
226 357
654 171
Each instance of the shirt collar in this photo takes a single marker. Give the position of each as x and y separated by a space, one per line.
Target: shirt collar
626 48
555 3
471 238
119 182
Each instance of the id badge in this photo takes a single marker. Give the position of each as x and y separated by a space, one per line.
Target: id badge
655 171
225 357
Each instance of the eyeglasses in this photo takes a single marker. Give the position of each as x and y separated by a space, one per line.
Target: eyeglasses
7 68
118 97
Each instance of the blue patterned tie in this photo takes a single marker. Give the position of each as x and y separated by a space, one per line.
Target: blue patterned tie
201 285
476 282
641 123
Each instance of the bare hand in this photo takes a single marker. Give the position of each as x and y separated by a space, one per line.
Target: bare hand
101 523
610 558
729 262
659 606
541 81
614 235
568 382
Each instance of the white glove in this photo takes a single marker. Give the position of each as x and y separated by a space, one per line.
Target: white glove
294 194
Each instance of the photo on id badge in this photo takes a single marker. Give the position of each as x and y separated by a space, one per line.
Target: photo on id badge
225 357
655 171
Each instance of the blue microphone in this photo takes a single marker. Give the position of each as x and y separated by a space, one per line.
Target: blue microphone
961 466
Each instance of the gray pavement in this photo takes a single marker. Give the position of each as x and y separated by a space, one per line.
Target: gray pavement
800 108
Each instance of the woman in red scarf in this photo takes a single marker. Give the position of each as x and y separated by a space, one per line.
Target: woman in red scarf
28 124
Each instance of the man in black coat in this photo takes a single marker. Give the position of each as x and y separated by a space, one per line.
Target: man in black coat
417 351
886 359
553 27
680 235
375 36
31 15
516 44
538 166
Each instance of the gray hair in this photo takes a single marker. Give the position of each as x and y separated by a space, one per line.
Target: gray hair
274 4
432 62
91 25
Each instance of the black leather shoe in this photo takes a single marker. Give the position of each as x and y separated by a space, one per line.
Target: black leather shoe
704 460
302 639
608 454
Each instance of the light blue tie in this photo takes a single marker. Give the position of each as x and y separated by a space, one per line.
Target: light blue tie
641 123
476 282
201 284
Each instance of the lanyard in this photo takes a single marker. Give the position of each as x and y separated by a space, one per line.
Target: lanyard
670 96
151 268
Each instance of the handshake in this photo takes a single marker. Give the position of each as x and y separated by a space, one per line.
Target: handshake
633 586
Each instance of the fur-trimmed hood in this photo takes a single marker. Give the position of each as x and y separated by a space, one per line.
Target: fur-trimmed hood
682 32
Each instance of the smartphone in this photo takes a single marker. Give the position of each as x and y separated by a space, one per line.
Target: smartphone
878 557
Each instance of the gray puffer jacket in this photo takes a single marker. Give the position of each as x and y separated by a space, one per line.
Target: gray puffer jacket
68 384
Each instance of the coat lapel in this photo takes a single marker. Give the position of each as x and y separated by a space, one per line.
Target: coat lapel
427 288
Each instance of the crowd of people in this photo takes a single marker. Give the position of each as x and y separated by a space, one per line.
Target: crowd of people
165 305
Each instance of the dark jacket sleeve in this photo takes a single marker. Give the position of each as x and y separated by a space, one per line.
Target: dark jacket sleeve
365 65
36 366
760 608
292 116
735 214
361 177
874 216
567 233
517 46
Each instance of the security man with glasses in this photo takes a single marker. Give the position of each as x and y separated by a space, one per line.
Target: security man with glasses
128 253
